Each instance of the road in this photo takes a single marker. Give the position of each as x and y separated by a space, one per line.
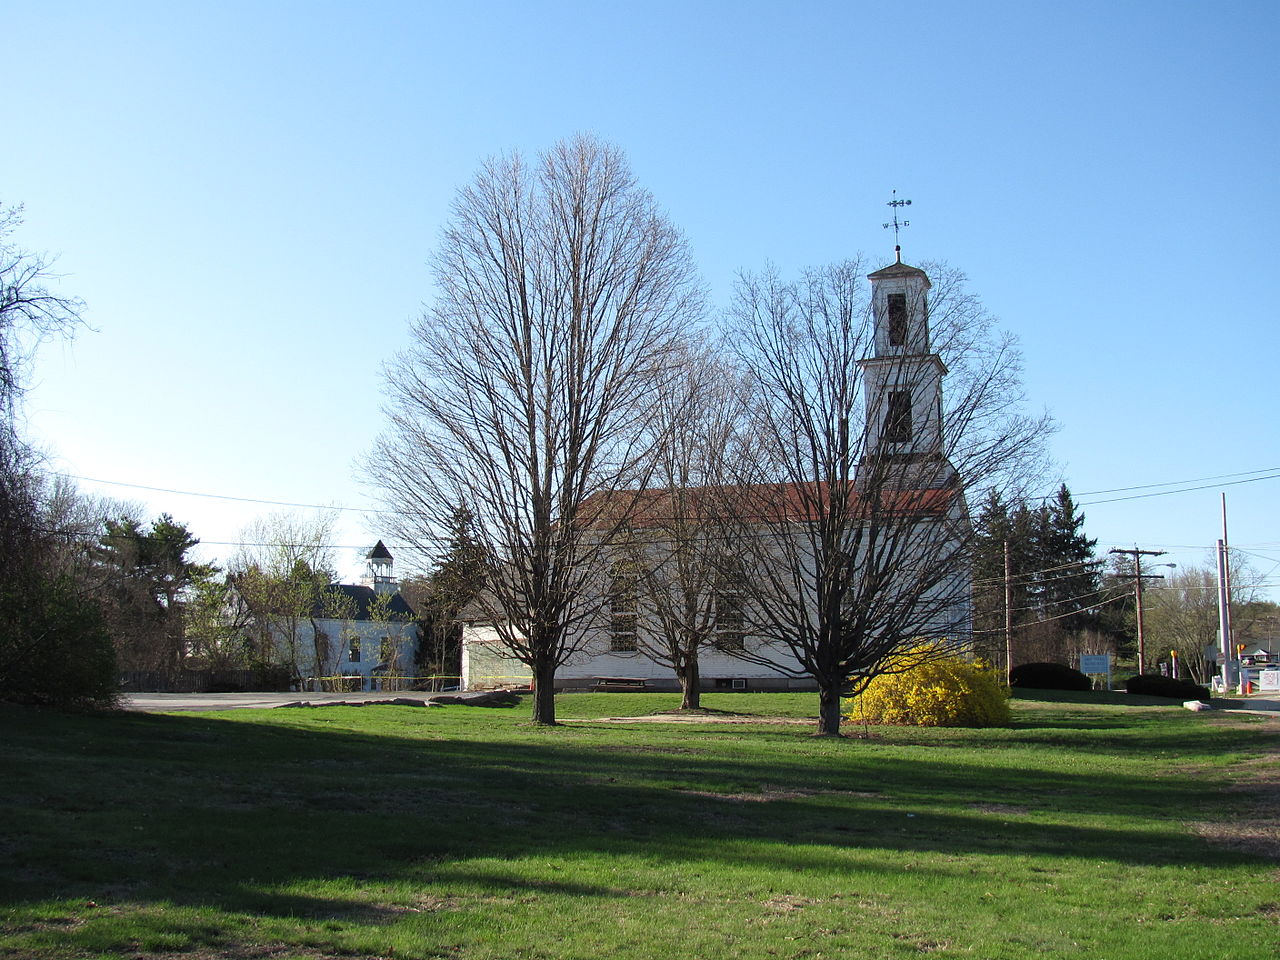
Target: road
166 702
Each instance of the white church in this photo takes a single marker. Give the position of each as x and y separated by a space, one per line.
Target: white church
902 391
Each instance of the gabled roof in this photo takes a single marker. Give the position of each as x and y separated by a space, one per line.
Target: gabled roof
362 597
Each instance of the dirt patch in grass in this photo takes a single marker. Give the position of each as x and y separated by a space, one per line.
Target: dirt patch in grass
789 904
678 717
233 952
764 795
1257 830
664 749
922 944
1012 809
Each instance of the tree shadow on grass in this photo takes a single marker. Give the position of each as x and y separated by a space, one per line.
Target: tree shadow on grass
198 810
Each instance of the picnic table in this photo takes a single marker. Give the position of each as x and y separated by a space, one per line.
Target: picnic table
613 684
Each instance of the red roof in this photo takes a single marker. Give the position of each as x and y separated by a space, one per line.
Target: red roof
760 503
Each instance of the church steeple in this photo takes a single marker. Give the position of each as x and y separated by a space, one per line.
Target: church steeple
903 383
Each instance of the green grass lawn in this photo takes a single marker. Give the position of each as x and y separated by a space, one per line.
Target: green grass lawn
1094 828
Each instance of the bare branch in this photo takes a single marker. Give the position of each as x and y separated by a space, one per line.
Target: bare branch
529 385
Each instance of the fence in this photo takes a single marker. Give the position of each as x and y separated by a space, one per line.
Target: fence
355 682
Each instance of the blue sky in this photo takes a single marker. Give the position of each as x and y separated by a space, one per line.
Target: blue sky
246 195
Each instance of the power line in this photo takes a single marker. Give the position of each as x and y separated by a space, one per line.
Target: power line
1272 474
1060 616
1167 493
1036 573
1172 483
217 496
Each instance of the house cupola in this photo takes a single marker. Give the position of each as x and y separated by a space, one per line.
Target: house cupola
378 569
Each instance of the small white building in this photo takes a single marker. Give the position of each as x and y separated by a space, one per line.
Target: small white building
356 636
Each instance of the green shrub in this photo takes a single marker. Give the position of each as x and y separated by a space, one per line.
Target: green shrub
1048 676
1158 685
930 686
54 646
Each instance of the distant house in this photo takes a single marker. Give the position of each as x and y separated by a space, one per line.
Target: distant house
915 483
348 636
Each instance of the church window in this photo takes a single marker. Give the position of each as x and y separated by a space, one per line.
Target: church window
897 422
729 603
624 609
897 319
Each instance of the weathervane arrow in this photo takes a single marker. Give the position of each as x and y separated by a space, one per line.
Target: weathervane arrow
897 224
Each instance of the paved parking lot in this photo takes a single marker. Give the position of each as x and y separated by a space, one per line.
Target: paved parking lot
164 702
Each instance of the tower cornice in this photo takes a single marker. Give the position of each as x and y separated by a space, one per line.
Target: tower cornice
900 270
904 360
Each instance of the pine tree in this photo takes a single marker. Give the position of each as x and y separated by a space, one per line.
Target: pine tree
440 597
1052 578
993 529
1068 590
147 573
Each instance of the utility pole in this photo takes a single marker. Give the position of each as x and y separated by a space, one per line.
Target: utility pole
1224 580
1224 617
1008 618
1137 593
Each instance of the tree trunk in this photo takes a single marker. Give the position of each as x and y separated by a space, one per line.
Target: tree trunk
544 694
828 709
691 685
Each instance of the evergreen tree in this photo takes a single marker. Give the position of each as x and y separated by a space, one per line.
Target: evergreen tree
440 597
992 530
147 572
1067 591
1052 578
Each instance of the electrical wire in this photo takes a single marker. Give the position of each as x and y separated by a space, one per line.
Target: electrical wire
1272 474
217 496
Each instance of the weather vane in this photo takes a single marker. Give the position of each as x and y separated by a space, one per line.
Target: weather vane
896 223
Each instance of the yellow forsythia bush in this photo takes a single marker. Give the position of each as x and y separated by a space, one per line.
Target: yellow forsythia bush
930 687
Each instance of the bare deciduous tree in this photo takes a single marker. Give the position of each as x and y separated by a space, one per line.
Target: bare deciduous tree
676 549
53 646
1181 613
851 496
280 574
530 382
29 313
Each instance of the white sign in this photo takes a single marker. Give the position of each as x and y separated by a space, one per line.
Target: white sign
1269 680
1095 664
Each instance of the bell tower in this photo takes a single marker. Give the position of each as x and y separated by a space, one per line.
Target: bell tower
902 386
378 570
